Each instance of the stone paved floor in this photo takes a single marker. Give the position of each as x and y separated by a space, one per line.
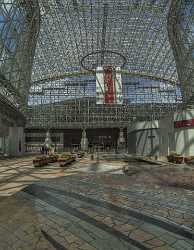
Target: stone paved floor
15 174
90 205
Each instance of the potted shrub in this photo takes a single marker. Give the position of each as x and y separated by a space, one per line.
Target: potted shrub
40 161
65 159
175 158
53 158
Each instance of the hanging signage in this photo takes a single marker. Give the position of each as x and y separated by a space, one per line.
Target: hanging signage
184 123
99 86
108 86
118 86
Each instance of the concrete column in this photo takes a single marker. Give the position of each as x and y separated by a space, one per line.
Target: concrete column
180 27
84 141
4 133
48 141
61 143
143 138
121 141
16 141
166 133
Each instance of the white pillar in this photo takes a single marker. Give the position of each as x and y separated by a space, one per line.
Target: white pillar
16 141
167 140
84 141
61 143
48 141
121 140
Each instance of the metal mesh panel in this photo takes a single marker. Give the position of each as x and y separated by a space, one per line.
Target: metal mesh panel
142 37
181 34
19 25
78 36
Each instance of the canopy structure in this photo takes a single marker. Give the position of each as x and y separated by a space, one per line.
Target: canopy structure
75 37
19 27
78 36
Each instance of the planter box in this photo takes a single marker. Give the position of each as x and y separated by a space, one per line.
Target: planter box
179 159
175 158
189 159
64 161
40 161
52 158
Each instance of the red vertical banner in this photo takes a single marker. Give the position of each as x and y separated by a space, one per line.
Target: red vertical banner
109 86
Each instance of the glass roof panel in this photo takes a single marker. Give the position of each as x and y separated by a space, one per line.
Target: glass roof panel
77 30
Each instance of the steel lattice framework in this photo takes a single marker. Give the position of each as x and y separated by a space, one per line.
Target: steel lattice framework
19 27
181 34
73 31
76 36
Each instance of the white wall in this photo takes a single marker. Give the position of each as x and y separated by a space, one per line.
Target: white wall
143 138
184 137
180 140
166 138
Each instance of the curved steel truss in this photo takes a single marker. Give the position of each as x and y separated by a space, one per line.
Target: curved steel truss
77 30
72 101
146 38
19 26
80 35
181 34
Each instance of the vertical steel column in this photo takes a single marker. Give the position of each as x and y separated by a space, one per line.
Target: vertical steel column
181 35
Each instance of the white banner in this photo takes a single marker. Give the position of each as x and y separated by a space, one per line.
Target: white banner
99 86
118 87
